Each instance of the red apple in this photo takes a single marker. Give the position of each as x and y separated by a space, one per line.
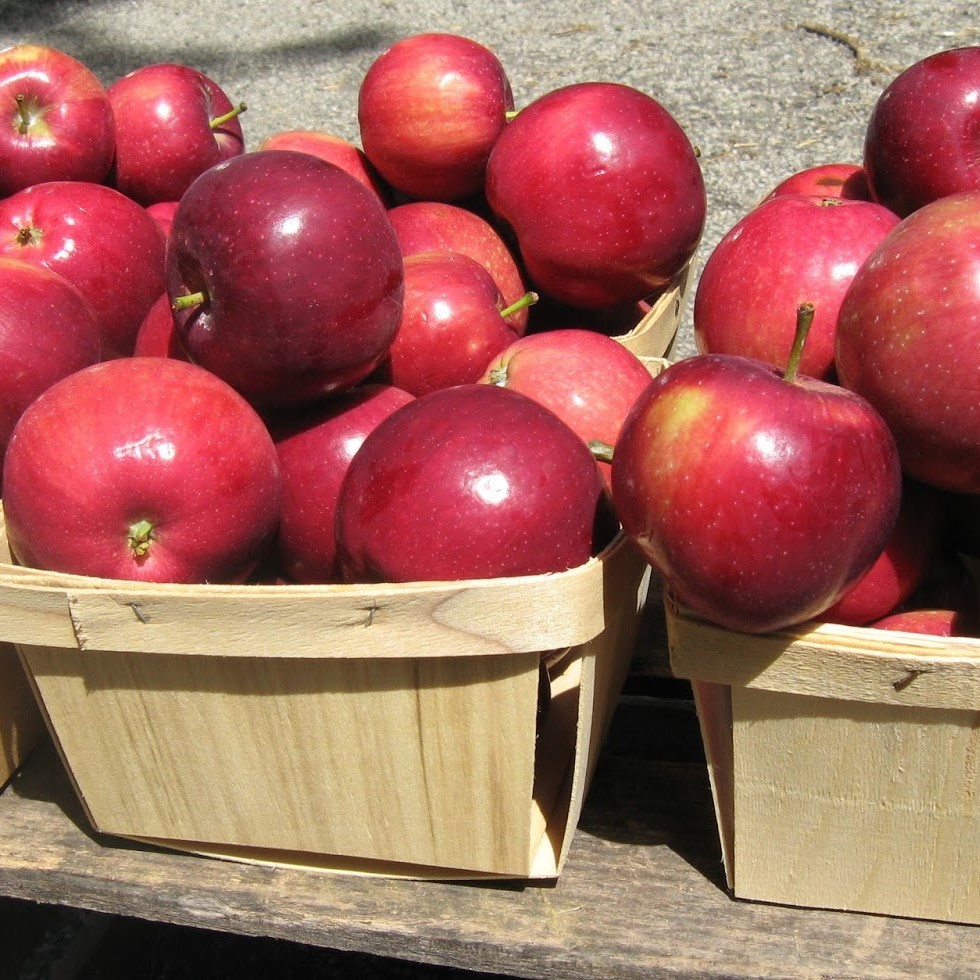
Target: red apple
345 154
101 241
163 212
904 565
786 251
436 226
429 109
47 331
759 499
843 180
141 468
59 121
453 324
173 122
287 275
908 340
157 335
588 380
468 482
602 190
315 449
934 622
921 139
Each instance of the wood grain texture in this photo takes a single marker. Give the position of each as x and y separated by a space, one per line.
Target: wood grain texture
654 335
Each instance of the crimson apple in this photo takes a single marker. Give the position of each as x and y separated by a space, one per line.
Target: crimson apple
47 331
602 190
315 448
785 251
437 226
587 379
844 180
759 497
101 241
59 121
287 276
157 335
141 468
453 324
173 122
473 481
921 139
430 109
345 154
908 340
163 212
934 622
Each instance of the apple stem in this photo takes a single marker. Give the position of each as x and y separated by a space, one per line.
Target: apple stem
510 114
231 114
139 537
25 120
804 320
528 299
601 451
188 300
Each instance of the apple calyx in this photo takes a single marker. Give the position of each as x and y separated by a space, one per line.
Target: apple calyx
26 235
528 299
139 537
237 110
804 320
187 300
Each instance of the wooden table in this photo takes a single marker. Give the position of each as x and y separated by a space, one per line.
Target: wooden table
642 894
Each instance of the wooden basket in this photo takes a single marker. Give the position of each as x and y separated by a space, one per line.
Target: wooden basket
434 729
21 724
844 763
654 335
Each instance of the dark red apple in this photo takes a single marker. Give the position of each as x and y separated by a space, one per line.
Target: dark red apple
163 212
141 468
436 226
921 139
173 122
287 275
760 500
469 482
453 324
933 622
908 340
101 241
843 180
786 251
47 331
157 335
906 562
602 190
315 448
430 109
59 124
345 154
587 379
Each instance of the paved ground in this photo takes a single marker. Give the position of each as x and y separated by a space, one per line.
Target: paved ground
762 88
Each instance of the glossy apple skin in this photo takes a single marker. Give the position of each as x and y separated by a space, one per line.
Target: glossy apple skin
163 212
429 110
842 180
72 130
302 271
784 252
101 241
589 380
759 501
437 226
315 449
164 137
157 335
468 482
921 139
451 325
602 190
908 340
142 439
345 154
47 331
903 566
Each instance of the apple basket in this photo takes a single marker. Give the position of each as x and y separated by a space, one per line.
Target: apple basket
21 724
844 764
656 331
431 729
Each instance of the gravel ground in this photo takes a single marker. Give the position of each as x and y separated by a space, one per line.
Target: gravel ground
762 89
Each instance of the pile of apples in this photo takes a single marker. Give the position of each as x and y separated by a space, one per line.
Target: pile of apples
317 361
819 458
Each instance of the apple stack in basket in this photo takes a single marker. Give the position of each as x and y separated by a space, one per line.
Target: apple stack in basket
304 457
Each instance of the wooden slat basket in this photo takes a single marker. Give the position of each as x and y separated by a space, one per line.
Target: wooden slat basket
433 730
844 763
656 332
21 724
